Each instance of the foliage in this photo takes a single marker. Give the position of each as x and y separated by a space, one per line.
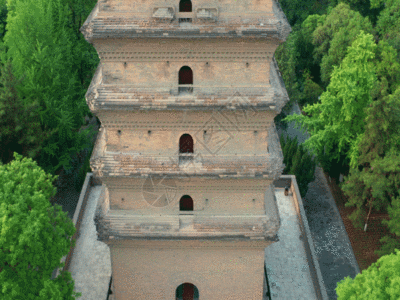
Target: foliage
338 118
295 61
34 234
287 61
289 148
42 47
387 70
3 18
296 11
375 182
365 8
298 162
380 281
83 171
389 23
86 57
331 38
293 58
389 19
307 28
20 129
311 90
334 167
392 241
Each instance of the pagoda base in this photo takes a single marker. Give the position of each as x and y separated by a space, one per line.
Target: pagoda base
218 269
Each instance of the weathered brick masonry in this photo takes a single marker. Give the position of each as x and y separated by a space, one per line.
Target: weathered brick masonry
167 137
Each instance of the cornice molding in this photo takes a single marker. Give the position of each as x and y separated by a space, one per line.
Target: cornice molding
184 54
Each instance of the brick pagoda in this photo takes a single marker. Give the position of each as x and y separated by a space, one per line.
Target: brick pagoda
186 92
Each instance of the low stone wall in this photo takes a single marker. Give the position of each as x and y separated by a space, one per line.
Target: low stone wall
290 181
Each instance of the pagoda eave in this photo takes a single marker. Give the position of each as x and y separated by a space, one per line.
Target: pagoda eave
191 34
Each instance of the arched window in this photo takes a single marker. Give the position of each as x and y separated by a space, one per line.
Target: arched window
185 75
186 203
187 291
185 80
186 144
185 6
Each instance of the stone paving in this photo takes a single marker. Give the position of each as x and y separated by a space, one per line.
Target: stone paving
287 267
331 242
91 263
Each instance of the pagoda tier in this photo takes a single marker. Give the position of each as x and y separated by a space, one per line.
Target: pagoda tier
253 216
116 95
107 161
211 19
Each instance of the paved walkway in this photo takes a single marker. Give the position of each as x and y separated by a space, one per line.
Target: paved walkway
286 261
91 263
331 242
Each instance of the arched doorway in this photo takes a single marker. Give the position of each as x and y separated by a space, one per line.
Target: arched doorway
185 6
185 79
186 144
186 203
187 291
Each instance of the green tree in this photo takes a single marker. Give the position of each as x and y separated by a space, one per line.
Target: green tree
39 42
392 241
331 38
289 148
298 162
365 8
311 90
287 59
86 58
387 70
388 23
34 235
296 11
338 118
380 281
20 129
374 181
294 58
3 18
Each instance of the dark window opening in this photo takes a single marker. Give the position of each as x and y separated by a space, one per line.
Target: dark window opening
185 6
186 144
185 78
185 75
186 203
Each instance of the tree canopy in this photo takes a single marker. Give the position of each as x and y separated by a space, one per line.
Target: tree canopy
298 162
20 128
34 235
374 181
380 281
43 49
334 34
339 117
